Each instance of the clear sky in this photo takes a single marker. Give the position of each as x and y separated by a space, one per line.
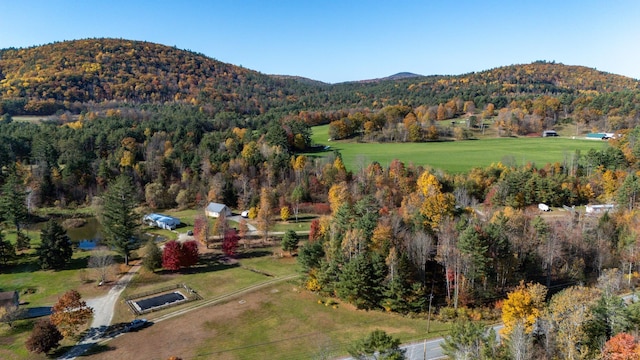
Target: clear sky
345 40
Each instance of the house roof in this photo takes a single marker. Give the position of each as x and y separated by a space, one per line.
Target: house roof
215 207
7 295
163 218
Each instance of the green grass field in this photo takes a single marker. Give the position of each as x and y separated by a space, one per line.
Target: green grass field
310 328
456 156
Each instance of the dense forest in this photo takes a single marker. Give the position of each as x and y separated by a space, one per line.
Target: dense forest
188 129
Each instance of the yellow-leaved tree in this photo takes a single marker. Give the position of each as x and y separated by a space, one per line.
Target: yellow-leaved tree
523 305
338 195
436 204
569 311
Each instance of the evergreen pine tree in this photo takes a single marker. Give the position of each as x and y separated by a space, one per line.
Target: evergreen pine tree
55 251
118 219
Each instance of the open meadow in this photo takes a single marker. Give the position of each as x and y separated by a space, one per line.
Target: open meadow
456 156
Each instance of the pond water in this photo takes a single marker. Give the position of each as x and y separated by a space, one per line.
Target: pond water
88 236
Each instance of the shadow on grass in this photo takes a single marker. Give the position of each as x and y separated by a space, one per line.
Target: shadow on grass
28 262
77 264
98 349
207 263
302 218
253 254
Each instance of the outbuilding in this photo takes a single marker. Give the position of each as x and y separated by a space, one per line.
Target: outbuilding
598 209
9 299
215 210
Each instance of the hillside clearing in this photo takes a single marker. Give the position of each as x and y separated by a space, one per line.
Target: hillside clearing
456 156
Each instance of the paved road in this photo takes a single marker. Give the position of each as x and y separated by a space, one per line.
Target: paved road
103 308
416 351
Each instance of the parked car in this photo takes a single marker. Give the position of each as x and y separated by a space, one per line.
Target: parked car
190 233
245 214
136 325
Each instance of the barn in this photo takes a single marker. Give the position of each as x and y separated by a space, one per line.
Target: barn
215 210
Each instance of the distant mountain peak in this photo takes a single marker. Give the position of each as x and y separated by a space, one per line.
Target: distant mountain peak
398 76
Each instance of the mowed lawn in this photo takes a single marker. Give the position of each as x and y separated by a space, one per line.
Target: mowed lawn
282 321
457 156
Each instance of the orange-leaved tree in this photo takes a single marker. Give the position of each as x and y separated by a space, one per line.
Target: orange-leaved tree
70 312
621 347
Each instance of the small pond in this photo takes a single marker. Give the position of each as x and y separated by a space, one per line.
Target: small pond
88 236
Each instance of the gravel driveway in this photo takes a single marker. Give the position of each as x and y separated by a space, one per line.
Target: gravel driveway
103 307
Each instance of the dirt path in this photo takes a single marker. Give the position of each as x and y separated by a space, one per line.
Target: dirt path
103 308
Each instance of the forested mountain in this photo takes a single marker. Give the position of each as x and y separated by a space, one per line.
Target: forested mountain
97 70
65 75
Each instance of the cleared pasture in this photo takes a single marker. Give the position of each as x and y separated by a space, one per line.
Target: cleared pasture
456 156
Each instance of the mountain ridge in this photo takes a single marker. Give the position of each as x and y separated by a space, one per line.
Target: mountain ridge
105 69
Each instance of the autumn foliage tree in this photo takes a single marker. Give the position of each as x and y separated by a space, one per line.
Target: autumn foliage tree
230 242
621 347
176 256
201 229
171 256
44 337
264 213
70 312
525 304
314 230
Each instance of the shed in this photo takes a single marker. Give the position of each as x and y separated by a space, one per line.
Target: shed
162 221
9 299
215 209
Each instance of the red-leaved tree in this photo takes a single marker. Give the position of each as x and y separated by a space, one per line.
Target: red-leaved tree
44 337
171 255
176 256
314 230
189 254
621 347
230 242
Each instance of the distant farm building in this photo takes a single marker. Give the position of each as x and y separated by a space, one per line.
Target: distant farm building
598 209
9 299
215 210
161 221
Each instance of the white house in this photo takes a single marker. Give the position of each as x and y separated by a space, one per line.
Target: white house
162 221
597 209
215 209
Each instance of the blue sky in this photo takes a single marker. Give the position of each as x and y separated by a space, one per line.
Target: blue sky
335 41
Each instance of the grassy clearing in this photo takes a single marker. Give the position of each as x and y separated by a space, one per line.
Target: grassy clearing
39 288
212 278
30 118
456 156
293 324
303 224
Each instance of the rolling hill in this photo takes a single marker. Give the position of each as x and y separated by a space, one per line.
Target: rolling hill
53 76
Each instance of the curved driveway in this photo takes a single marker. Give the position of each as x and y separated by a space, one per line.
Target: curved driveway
103 309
